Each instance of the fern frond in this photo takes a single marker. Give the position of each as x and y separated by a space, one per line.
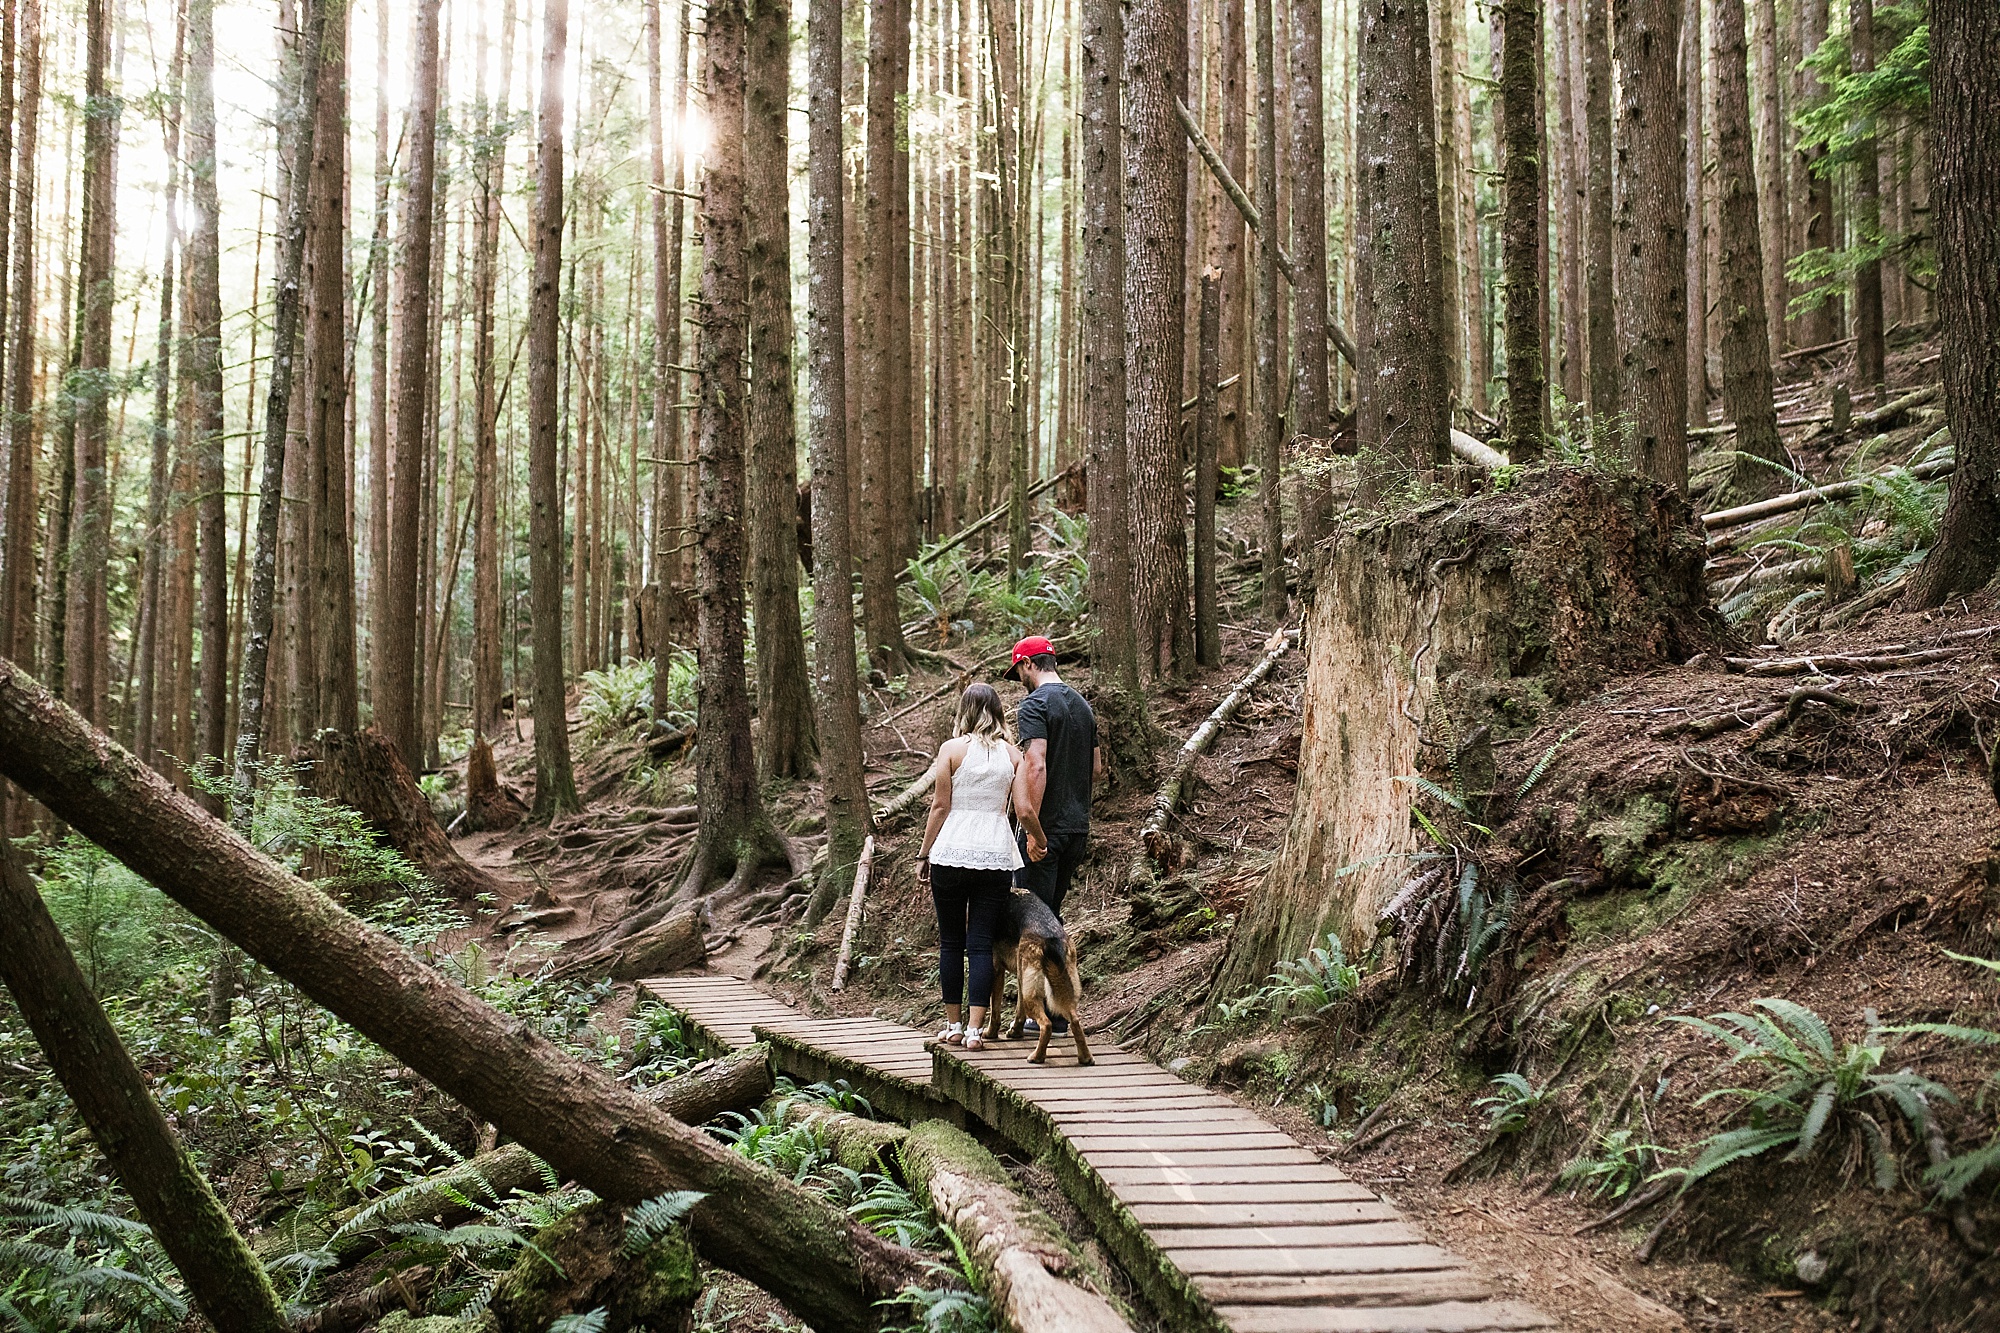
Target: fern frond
654 1218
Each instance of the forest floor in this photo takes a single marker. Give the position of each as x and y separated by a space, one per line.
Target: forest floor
1828 860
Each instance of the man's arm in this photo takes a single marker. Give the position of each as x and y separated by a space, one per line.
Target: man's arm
1031 783
1097 763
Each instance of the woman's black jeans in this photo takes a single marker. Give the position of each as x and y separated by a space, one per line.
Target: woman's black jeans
969 904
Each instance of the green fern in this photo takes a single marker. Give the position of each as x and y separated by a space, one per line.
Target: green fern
655 1217
1510 1106
597 1321
1541 767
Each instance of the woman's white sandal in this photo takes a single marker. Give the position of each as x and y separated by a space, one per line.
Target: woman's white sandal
974 1041
953 1034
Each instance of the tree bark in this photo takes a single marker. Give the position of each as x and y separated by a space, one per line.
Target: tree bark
1115 652
490 807
1567 186
1814 200
1522 237
1746 345
578 1118
496 123
379 388
330 562
87 618
1965 198
1233 89
784 698
670 453
1703 230
844 787
735 835
1404 404
1155 252
555 784
1597 213
1207 474
1773 190
154 547
881 621
1650 261
17 561
1867 217
226 1281
395 691
1269 322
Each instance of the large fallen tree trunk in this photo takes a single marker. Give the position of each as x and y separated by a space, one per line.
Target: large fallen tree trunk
363 770
591 1129
225 1279
738 1080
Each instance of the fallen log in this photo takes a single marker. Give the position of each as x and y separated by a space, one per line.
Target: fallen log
1832 662
1153 834
861 869
227 1283
739 1080
1839 490
405 1291
588 1262
859 1144
1021 1256
667 945
986 521
796 1245
1475 451
363 770
907 798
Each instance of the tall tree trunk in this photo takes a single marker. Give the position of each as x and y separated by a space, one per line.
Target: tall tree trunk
555 784
784 699
395 689
1566 181
1522 237
1600 315
1313 416
331 559
1650 265
496 121
904 471
669 480
1814 200
298 130
1155 251
1965 198
1233 88
202 366
380 390
835 687
1453 276
578 1118
735 835
87 617
1746 346
147 650
1773 185
1268 337
1702 224
1867 219
1113 621
1404 404
222 1275
17 561
1207 475
881 621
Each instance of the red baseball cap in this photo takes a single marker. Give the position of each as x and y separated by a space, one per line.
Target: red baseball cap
1032 646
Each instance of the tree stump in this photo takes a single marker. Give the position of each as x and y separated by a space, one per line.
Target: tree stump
364 771
490 805
1435 630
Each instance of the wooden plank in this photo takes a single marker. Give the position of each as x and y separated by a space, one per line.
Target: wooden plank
1183 1173
1346 1289
1444 1317
1089 1139
1226 1238
1246 1261
1220 1157
1209 1112
1169 1210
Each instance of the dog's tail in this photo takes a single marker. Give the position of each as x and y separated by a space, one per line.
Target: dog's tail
1059 977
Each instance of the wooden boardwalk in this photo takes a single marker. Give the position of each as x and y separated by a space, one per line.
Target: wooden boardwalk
1222 1219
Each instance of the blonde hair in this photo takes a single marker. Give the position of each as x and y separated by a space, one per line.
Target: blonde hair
980 714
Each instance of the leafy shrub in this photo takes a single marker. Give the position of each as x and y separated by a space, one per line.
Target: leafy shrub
1514 1101
1315 983
1618 1161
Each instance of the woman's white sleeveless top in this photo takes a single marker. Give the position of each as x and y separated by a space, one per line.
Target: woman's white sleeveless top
976 834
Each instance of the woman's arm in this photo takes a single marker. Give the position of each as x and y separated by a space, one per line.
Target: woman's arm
947 761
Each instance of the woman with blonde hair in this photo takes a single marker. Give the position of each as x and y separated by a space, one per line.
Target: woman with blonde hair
969 855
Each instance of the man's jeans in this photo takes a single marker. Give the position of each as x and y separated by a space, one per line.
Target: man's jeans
1049 878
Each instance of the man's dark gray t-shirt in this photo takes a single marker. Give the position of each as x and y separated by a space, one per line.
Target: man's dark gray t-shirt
1058 714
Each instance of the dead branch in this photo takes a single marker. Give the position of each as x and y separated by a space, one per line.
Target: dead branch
986 521
907 798
1651 1194
861 871
1791 500
1826 666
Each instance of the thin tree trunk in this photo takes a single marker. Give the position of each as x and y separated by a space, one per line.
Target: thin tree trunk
1452 275
1814 211
1650 261
203 368
298 136
555 784
1112 616
17 562
784 698
496 121
1312 418
379 388
880 619
145 729
1207 476
1695 84
1522 237
1600 314
1772 182
735 835
1867 219
578 1118
1268 336
396 652
670 483
1233 87
227 1283
835 687
1965 198
331 557
87 621
1568 186
1746 347
1404 404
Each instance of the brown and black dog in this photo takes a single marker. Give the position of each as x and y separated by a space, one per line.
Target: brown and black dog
1032 945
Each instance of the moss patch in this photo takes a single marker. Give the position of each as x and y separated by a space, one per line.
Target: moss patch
580 1264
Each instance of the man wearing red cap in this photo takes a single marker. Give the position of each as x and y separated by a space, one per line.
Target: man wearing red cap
1061 760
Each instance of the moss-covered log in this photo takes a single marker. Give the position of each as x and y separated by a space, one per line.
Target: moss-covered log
578 1118
589 1261
1029 1268
1432 624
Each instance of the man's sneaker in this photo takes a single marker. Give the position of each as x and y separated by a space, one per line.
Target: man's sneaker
1059 1027
1029 1025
